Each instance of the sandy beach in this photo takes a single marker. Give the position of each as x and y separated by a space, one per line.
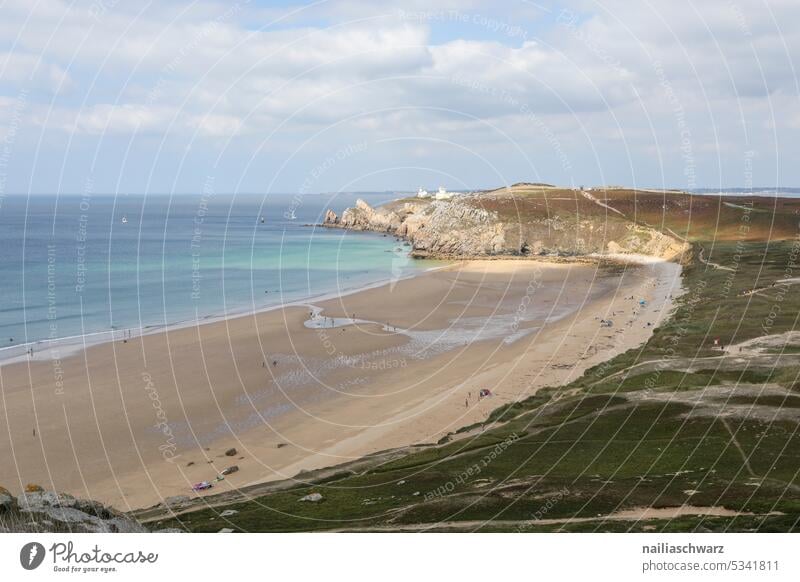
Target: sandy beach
133 422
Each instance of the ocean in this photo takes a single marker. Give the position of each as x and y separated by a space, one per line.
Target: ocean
103 266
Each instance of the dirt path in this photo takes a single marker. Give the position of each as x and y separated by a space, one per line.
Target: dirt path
735 443
703 260
599 203
633 514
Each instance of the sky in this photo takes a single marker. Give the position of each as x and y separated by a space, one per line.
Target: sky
108 96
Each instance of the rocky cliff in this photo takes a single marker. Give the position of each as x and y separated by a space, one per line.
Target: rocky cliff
503 225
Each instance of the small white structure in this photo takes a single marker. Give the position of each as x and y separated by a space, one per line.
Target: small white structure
443 194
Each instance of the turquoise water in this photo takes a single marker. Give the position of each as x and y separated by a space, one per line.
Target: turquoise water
70 266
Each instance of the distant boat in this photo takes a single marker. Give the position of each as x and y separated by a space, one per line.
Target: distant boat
124 220
262 220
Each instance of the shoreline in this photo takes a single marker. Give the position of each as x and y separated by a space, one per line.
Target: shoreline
357 406
75 344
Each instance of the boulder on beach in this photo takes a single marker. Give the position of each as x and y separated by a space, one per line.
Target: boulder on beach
230 452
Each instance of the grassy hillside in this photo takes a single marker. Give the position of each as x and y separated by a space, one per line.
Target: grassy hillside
692 217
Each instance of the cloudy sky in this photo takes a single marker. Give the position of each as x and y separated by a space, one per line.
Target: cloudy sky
270 96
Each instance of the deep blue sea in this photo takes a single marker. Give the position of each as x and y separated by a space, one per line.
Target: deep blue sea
74 265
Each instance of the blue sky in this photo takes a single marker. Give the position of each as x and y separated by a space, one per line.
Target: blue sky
110 96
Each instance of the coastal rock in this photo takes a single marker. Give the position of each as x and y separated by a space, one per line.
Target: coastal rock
434 227
365 217
312 497
7 501
40 511
230 452
454 229
330 217
647 241
39 500
93 508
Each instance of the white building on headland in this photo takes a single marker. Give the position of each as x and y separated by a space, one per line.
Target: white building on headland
442 194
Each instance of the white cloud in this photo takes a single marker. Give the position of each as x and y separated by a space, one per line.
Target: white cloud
24 69
216 125
104 119
620 78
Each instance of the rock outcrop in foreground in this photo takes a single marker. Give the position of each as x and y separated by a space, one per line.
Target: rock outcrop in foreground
37 510
511 225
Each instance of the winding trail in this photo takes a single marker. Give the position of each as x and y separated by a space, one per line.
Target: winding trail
599 203
703 260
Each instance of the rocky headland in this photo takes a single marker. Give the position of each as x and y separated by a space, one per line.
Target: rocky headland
519 222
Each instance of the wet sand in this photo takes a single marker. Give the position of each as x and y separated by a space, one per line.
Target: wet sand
303 387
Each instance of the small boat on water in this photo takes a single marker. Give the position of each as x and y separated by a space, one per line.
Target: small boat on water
262 220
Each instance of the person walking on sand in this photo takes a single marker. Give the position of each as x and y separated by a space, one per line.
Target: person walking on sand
466 403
